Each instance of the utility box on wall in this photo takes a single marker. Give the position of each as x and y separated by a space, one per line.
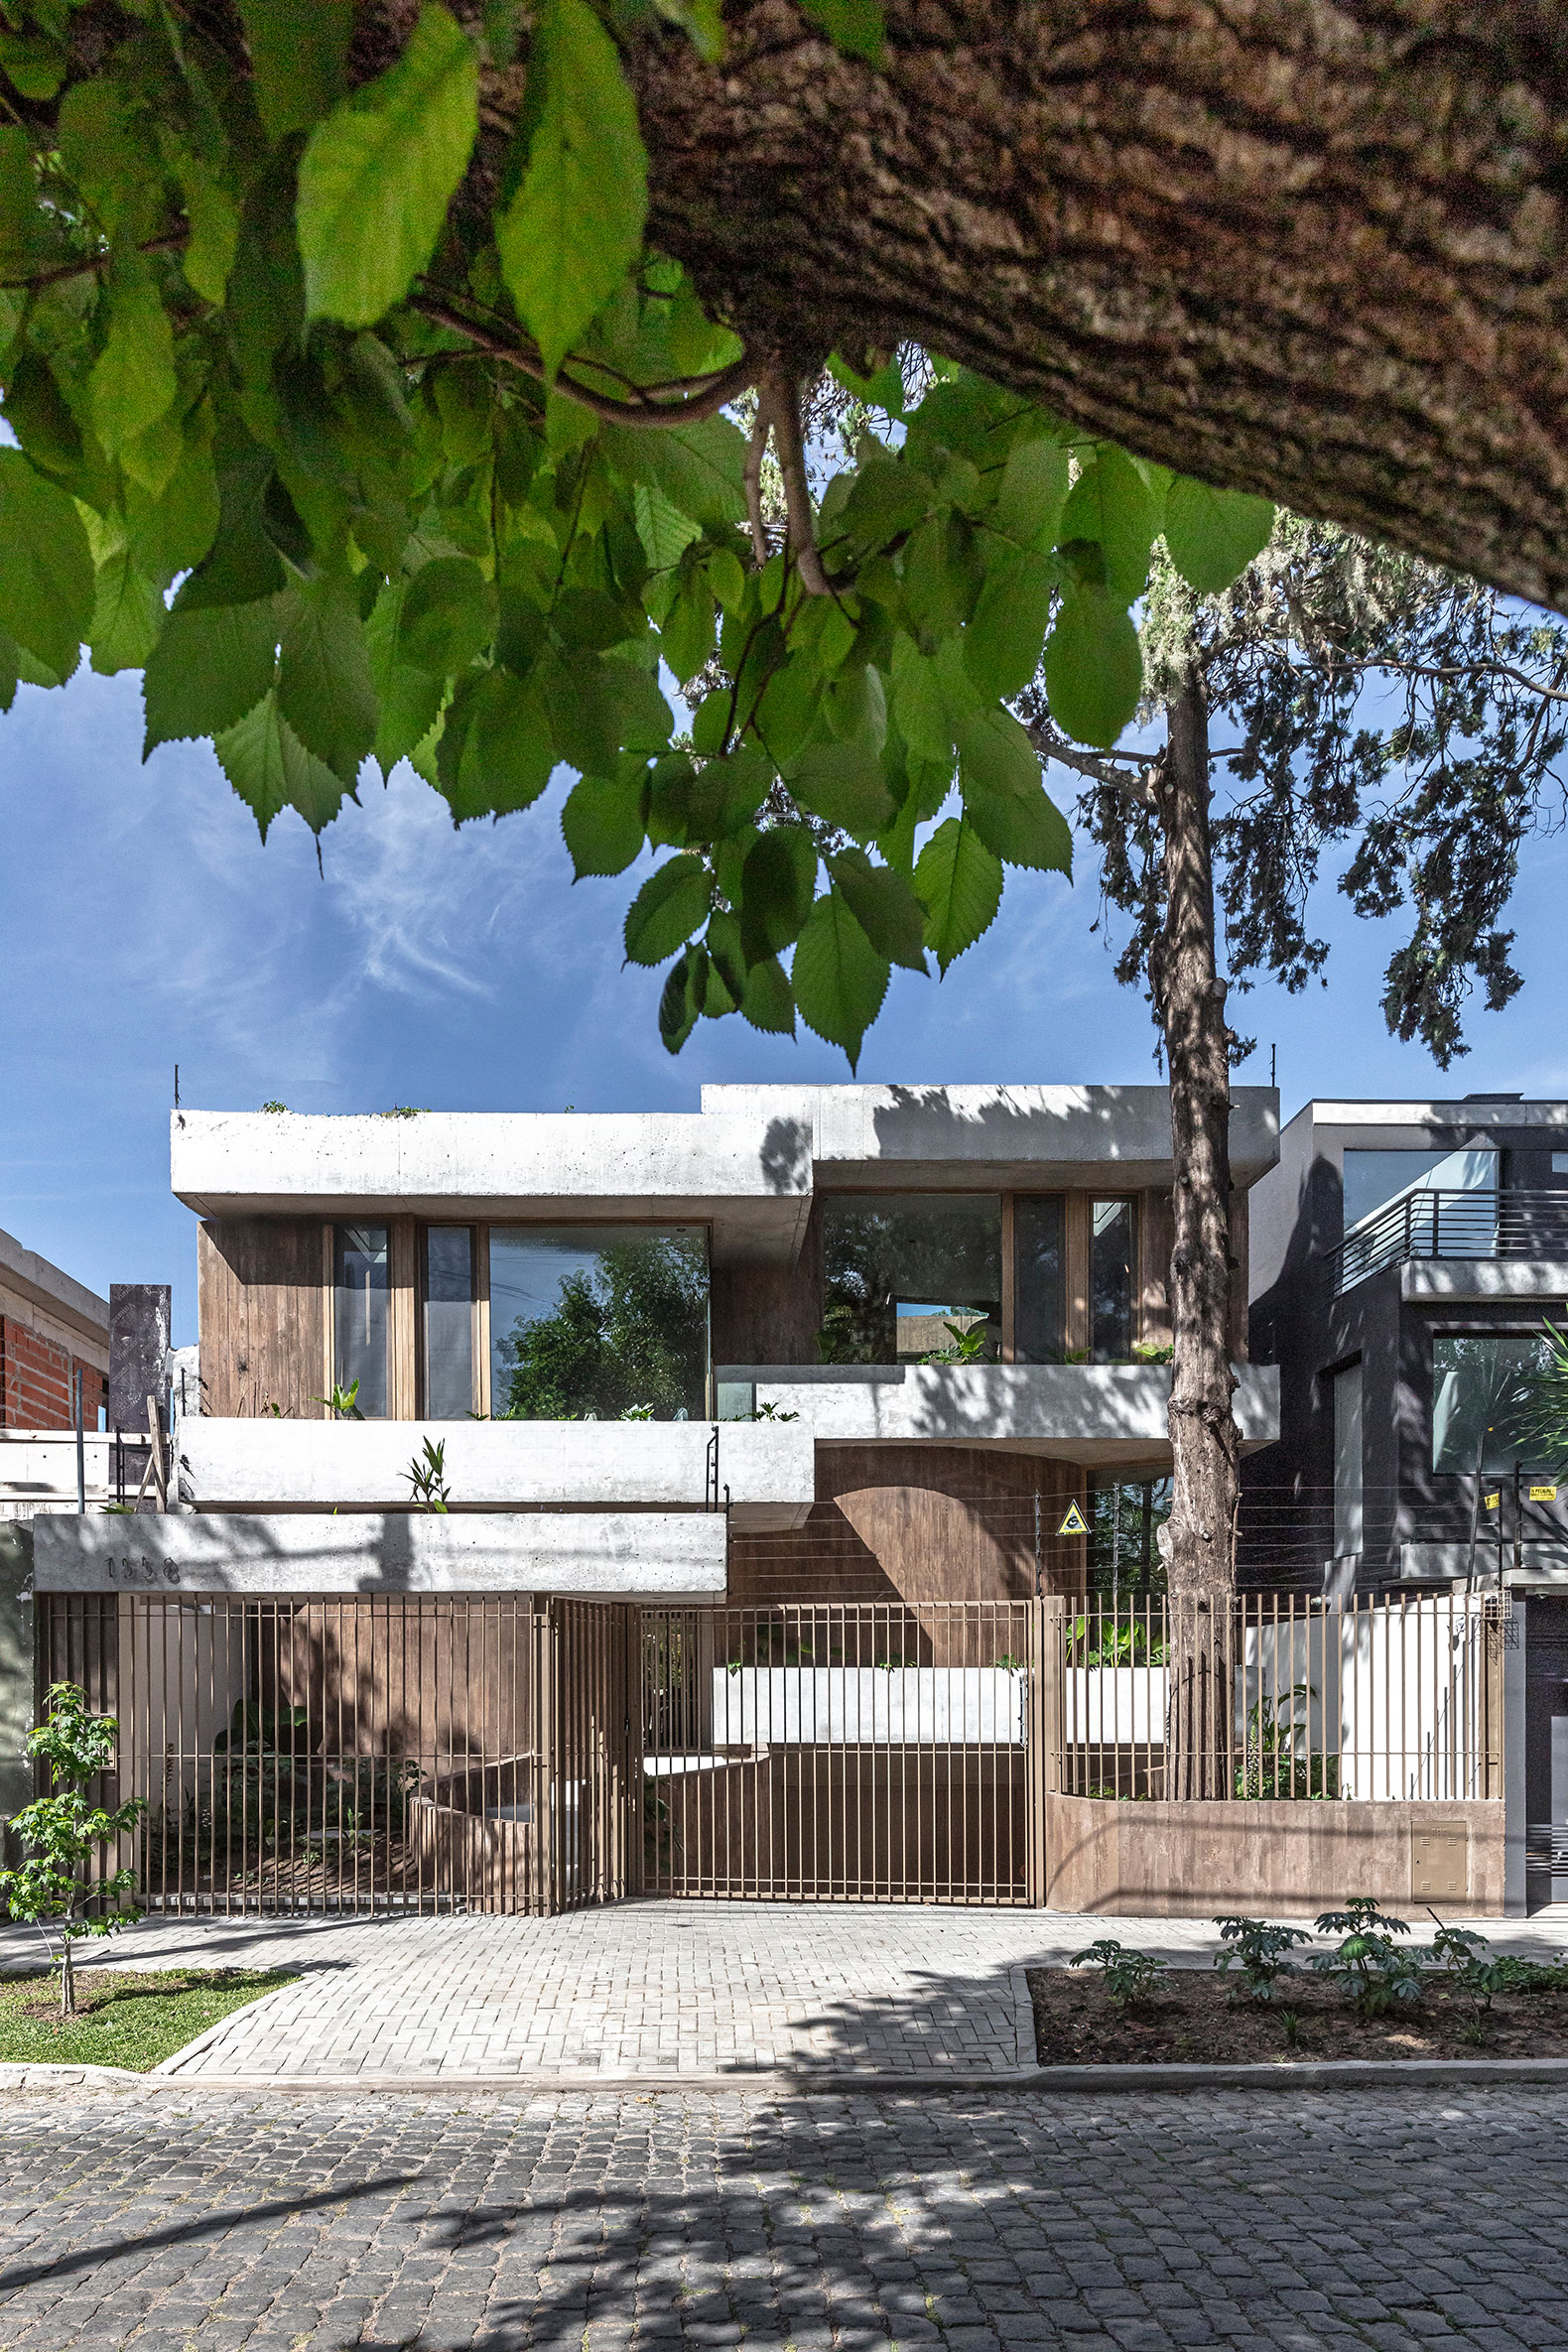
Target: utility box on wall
1440 1862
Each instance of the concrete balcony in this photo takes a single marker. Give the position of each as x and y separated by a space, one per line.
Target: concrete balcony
668 1557
502 1466
1094 1413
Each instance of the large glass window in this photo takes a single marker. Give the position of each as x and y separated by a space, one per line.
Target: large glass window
1125 1517
1373 1180
362 1282
1037 1280
901 1269
598 1323
1112 1280
450 1321
1347 1461
1485 1399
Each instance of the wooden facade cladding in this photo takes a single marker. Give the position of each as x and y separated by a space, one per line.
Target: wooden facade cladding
262 1306
920 1523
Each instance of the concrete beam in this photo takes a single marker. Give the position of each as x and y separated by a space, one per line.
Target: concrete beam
1069 1412
619 1556
1483 1278
1007 1138
42 1285
750 1177
265 1465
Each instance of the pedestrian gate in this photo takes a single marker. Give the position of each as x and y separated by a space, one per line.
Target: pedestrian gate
515 1754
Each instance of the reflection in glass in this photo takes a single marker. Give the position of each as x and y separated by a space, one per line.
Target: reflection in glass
1374 1180
362 1278
449 1322
1483 1401
900 1269
593 1323
1037 1271
1112 1257
1125 1517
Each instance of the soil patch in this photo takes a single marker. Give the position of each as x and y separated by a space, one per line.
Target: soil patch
1191 2019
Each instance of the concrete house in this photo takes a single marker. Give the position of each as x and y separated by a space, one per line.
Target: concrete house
1405 1258
713 1503
629 1318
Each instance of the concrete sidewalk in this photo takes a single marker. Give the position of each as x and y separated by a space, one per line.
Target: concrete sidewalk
644 1989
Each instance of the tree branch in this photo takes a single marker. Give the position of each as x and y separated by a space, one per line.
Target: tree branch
781 402
647 405
1121 771
756 450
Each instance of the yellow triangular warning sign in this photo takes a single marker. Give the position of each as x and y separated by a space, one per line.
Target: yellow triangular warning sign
1075 1523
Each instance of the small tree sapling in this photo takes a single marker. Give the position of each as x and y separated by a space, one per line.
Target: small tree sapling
55 1889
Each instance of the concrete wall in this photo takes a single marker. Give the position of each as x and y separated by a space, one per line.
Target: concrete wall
661 1556
1077 1412
244 1464
1200 1859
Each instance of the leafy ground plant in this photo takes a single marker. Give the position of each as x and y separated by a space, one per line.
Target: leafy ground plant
124 2018
1261 1951
1369 1966
61 1886
1129 1977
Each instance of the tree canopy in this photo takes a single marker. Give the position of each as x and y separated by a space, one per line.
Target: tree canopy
430 442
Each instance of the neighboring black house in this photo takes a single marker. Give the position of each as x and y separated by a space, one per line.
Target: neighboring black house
1404 1258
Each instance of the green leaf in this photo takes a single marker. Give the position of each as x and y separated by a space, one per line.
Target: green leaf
769 1003
777 885
883 904
297 51
174 531
920 711
270 768
127 613
1004 797
958 881
496 751
9 673
1213 535
603 824
700 469
687 638
448 615
575 226
408 701
1001 645
1094 669
1032 493
378 174
677 1009
209 250
46 585
673 904
713 803
325 689
1110 502
843 784
23 223
838 979
661 527
133 381
856 26
208 668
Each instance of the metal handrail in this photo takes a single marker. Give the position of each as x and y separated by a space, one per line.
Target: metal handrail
1524 1225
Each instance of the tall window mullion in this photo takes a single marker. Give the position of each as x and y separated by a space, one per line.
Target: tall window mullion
451 1349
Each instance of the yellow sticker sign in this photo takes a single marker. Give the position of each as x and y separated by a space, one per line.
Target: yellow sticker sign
1543 1494
1075 1523
1492 1501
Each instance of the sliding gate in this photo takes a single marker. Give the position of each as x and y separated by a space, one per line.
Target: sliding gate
515 1754
842 1751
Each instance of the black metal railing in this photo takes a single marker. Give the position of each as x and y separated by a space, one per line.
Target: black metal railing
1522 1224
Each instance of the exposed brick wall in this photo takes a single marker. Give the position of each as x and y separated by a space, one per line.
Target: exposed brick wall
37 1376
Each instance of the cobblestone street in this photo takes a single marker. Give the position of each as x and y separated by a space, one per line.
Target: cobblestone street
197 2218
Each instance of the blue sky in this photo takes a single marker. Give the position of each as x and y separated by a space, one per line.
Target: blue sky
145 924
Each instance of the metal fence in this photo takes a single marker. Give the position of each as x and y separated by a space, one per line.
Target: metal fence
307 1754
1395 1700
1445 1224
521 1755
842 1751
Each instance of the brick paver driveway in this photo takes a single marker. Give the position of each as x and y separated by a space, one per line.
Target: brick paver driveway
648 1988
180 2220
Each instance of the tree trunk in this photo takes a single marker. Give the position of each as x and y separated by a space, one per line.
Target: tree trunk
1190 996
1315 251
68 1981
